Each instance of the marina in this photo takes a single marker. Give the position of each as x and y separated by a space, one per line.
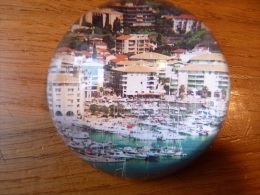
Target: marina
131 140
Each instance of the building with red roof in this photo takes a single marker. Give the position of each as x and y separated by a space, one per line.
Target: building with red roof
119 58
133 43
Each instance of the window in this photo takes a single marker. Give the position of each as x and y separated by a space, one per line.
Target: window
70 100
58 113
70 113
216 94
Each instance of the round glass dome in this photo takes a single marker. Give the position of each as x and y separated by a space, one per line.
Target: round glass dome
138 89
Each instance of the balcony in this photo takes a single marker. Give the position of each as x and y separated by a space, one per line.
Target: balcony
194 77
223 83
150 83
195 83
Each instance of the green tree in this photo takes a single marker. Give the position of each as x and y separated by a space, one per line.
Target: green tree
71 42
85 45
104 109
120 108
93 108
109 40
108 27
127 30
117 27
165 50
94 55
164 26
112 109
193 38
98 30
101 90
182 90
159 40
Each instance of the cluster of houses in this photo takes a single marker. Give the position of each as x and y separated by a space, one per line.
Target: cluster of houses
136 17
75 77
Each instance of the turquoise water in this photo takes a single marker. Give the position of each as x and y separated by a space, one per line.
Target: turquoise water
140 169
193 146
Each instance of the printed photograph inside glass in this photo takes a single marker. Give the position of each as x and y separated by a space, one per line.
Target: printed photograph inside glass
138 89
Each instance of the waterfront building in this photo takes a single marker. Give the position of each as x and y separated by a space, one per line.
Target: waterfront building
136 16
132 44
93 74
213 78
138 63
92 69
159 59
135 80
208 58
66 95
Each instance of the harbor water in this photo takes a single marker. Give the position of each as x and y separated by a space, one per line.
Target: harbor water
192 146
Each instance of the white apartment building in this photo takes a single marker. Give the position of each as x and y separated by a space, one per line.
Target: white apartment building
93 76
206 70
184 23
131 81
66 95
93 71
98 17
159 59
133 43
208 58
213 76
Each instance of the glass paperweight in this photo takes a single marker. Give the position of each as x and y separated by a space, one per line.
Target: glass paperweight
138 89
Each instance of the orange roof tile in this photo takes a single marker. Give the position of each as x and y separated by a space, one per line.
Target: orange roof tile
185 16
123 37
100 43
65 49
168 17
120 58
86 53
136 69
179 51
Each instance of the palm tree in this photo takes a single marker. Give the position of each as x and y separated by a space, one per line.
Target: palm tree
205 91
182 90
101 90
224 93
